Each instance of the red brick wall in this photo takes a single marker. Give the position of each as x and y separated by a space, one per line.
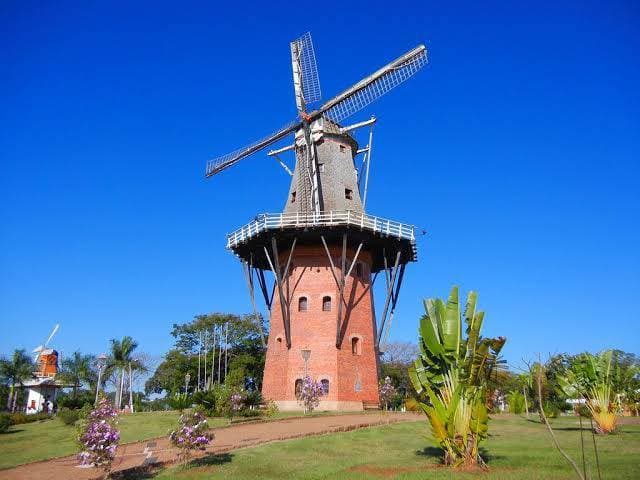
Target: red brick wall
310 276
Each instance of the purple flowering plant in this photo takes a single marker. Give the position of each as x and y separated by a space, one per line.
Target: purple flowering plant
192 434
387 392
99 436
237 402
310 394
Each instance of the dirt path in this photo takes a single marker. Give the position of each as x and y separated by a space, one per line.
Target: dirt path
132 458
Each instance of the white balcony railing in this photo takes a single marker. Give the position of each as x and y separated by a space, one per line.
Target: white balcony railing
275 221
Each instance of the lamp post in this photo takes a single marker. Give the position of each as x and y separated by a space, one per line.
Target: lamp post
101 363
187 377
305 356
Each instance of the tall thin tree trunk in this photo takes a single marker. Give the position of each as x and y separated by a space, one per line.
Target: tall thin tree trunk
130 389
15 400
205 362
199 356
213 355
526 405
121 388
226 349
219 352
10 398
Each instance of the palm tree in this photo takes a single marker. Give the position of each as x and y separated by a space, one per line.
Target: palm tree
121 357
15 370
78 368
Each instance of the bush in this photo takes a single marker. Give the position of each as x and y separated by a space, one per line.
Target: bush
515 400
272 409
20 418
253 399
68 416
222 395
192 433
5 422
206 400
250 413
180 401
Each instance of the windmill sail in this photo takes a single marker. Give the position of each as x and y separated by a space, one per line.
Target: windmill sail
306 82
218 164
376 85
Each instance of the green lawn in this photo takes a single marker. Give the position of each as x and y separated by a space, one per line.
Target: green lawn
31 442
51 438
517 449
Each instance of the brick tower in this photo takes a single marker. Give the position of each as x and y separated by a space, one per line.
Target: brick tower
324 251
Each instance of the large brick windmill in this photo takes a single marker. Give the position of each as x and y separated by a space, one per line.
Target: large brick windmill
324 251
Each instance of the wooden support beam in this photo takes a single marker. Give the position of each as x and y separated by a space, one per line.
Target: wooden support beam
388 298
248 275
284 305
341 288
393 304
333 268
263 287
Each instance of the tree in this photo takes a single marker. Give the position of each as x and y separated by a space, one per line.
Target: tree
453 372
78 369
169 374
14 371
120 359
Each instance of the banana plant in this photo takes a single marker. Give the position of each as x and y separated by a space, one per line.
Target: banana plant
451 375
590 377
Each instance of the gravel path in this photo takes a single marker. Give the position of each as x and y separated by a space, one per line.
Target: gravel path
133 458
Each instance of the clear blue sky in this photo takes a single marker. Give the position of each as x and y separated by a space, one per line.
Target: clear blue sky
517 149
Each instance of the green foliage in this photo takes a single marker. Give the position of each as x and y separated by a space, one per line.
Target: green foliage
515 400
222 395
81 398
68 416
180 401
595 378
5 422
452 374
14 371
19 418
207 400
272 409
78 369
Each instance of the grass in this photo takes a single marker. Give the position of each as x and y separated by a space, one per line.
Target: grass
31 442
518 449
36 441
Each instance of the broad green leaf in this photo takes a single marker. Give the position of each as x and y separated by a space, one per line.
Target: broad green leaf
451 327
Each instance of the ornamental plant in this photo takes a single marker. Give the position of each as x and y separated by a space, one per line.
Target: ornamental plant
452 376
310 394
99 437
192 434
387 392
237 402
591 377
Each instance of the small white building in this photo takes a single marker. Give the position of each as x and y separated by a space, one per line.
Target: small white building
42 389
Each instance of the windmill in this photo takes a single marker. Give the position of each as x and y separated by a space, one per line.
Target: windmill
43 388
324 251
42 350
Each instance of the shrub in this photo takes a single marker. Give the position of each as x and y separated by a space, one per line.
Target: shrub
253 399
192 433
5 422
515 400
272 409
180 401
250 413
222 395
100 437
387 392
68 416
19 418
310 394
206 400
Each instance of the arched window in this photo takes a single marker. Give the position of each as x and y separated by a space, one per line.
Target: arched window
325 386
356 348
298 388
302 304
326 303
